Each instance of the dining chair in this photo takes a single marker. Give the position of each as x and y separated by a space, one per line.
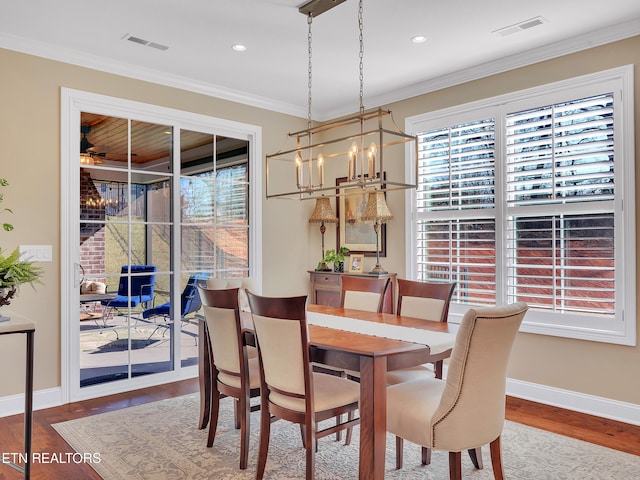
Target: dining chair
363 293
236 375
290 390
428 301
466 410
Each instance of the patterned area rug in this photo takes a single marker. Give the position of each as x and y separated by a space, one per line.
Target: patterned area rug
160 441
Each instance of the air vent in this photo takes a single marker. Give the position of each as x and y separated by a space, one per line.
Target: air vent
519 27
142 41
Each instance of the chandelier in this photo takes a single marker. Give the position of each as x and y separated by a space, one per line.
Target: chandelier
358 147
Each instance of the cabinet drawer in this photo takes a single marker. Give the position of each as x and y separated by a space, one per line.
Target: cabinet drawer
328 279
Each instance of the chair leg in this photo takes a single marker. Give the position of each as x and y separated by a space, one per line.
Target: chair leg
455 465
426 456
213 421
496 459
476 457
438 368
265 428
349 434
245 411
236 413
399 452
311 445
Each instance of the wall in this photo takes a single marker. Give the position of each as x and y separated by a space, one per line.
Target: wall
30 160
599 369
29 156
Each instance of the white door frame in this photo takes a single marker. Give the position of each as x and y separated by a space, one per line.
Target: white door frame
73 102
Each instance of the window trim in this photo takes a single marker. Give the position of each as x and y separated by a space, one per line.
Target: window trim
617 80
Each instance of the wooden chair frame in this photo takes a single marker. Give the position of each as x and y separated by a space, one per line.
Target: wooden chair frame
293 309
228 299
351 283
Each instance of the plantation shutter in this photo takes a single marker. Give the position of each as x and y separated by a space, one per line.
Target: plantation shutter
456 209
560 190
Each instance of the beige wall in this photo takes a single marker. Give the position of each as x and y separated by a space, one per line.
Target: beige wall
30 159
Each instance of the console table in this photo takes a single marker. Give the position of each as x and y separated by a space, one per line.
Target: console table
326 288
18 324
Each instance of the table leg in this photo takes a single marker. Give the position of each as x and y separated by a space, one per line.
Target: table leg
373 417
28 405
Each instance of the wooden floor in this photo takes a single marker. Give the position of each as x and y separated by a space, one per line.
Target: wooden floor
608 433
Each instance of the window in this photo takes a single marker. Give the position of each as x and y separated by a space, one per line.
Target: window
530 197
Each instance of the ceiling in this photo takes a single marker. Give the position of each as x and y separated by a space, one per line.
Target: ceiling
462 43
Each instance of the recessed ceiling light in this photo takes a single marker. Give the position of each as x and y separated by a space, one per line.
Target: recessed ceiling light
419 39
238 47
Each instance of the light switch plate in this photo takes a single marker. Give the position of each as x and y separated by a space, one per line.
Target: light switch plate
36 253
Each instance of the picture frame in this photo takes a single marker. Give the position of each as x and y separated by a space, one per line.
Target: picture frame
356 263
358 236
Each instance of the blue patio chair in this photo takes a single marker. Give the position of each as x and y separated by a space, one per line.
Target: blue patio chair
143 280
190 301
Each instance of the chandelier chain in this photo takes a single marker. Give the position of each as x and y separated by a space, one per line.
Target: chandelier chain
309 69
360 27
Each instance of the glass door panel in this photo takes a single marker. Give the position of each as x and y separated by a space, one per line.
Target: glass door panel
125 248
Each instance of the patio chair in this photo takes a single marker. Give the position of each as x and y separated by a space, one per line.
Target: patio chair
143 280
190 302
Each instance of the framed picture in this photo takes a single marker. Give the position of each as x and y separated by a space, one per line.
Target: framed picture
356 263
353 233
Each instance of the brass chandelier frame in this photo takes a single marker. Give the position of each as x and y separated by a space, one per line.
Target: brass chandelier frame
305 164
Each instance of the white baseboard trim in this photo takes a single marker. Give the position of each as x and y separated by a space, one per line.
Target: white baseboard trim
14 404
578 402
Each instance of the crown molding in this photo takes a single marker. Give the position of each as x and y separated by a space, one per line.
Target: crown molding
546 52
44 50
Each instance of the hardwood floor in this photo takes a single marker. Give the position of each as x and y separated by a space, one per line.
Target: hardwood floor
608 433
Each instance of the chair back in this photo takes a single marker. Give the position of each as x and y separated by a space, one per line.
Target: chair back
472 406
143 279
425 300
283 345
362 293
223 323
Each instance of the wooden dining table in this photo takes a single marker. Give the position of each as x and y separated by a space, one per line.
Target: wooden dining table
372 356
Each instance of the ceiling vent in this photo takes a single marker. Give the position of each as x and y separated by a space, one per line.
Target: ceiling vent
520 26
142 41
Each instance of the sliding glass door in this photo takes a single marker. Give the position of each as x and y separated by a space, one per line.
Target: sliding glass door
161 207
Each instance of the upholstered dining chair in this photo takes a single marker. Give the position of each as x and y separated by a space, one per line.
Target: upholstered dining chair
466 410
290 390
362 293
236 375
428 301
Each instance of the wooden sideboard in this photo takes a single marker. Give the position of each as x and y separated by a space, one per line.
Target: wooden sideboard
326 288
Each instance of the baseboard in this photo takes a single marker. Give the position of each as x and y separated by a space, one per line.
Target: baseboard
578 402
14 404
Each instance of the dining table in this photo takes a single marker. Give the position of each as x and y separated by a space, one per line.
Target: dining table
364 342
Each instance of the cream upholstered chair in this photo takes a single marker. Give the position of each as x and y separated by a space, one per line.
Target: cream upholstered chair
428 301
236 375
466 410
290 390
362 293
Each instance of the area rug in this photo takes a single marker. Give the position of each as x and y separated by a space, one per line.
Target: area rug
160 441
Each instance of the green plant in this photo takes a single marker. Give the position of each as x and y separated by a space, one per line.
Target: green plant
333 257
14 271
6 226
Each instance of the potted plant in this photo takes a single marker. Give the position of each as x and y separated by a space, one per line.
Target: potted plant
334 257
13 271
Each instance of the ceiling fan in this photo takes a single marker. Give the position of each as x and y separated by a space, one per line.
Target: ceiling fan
88 155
